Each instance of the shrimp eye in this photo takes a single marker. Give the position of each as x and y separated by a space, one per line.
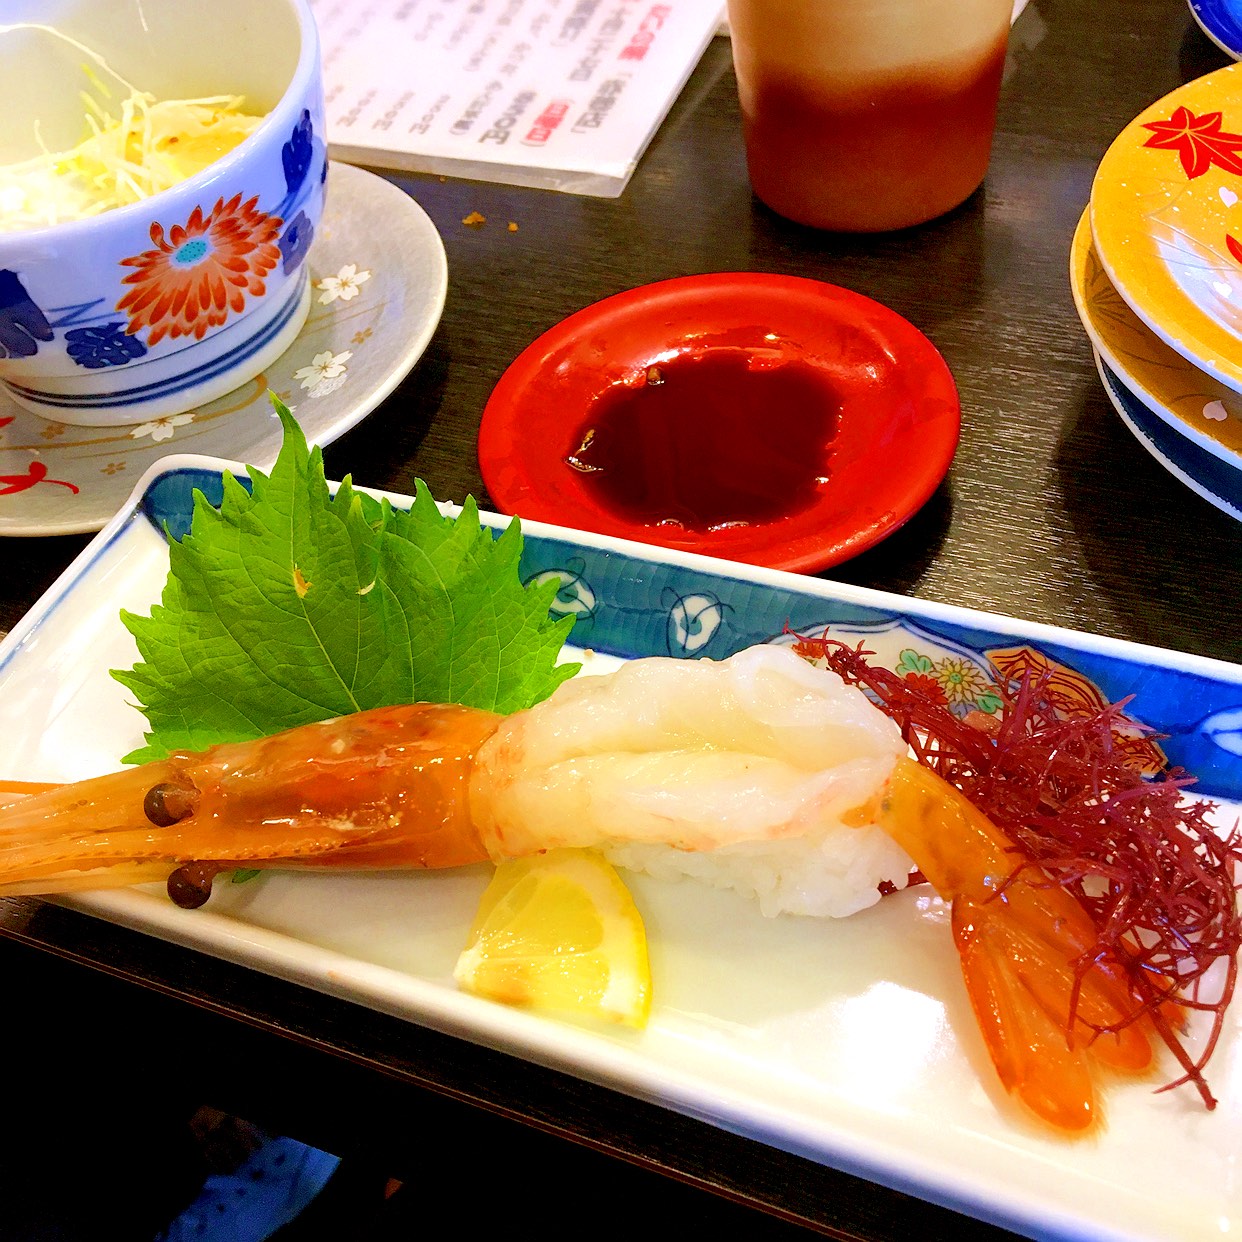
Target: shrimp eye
190 886
166 805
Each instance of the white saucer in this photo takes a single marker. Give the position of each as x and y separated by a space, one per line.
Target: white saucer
360 339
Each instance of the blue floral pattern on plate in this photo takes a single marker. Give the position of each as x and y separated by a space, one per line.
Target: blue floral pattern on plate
631 601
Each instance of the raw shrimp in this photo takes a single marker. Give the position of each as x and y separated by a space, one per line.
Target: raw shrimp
737 771
684 758
1021 937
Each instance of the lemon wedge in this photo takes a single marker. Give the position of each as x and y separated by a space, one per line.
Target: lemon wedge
559 932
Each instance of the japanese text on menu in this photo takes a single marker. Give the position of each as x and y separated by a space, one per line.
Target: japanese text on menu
573 86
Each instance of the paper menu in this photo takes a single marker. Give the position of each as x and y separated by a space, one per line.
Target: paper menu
564 94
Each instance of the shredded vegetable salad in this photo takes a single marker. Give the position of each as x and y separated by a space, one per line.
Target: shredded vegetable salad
134 147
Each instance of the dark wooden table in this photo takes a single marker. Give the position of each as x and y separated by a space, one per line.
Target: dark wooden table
1051 512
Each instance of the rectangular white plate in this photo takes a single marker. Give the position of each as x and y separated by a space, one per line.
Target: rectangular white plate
850 1042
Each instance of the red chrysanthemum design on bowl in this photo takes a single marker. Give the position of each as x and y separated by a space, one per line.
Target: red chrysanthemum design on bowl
202 271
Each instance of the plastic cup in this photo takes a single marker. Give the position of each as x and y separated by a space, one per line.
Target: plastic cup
868 115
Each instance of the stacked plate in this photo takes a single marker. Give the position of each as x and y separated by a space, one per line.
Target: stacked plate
1156 272
1221 21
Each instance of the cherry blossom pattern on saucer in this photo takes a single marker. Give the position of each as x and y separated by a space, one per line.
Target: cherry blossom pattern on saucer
1192 402
378 282
1166 216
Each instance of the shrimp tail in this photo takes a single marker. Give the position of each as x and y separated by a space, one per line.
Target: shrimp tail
381 788
1027 1045
1051 1012
1047 1028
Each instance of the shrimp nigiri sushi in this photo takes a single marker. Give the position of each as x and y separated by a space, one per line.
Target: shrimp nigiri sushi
752 773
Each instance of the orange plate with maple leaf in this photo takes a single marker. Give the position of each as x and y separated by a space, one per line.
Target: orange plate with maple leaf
1166 216
1193 403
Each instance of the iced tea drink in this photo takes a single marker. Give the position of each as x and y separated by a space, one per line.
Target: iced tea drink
868 115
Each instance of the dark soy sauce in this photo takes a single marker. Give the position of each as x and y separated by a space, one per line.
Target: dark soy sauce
710 440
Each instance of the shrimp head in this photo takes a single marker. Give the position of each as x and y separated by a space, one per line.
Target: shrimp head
381 788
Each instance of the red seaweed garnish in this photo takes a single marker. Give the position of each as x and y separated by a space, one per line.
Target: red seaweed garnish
1157 879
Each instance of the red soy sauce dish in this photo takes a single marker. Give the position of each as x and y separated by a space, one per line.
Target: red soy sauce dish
773 420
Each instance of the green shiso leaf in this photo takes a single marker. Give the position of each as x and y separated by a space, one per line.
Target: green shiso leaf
288 605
